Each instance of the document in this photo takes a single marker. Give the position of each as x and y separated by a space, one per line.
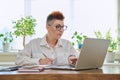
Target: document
32 68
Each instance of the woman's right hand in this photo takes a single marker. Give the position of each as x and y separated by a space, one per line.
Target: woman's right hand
45 61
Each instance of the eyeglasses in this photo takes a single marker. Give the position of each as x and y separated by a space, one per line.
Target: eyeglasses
59 27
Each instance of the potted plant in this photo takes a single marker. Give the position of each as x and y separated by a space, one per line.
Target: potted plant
6 39
112 47
24 27
117 55
113 42
78 39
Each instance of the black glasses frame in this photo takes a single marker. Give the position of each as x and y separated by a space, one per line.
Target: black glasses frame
59 27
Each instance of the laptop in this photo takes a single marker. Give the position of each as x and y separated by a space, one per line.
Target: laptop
91 56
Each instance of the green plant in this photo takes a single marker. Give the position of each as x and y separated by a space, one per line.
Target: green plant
113 42
24 27
6 37
78 38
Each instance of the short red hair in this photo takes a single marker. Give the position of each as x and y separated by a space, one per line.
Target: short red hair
55 15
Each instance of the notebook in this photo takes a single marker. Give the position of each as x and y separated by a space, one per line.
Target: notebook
32 68
9 68
91 56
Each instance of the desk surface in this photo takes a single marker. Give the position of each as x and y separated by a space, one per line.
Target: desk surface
105 73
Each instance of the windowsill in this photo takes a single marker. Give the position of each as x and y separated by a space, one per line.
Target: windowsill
7 57
13 64
11 51
7 63
111 64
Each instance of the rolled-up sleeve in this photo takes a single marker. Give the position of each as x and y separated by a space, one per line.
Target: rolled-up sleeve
24 57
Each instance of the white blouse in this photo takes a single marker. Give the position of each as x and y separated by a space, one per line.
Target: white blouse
36 49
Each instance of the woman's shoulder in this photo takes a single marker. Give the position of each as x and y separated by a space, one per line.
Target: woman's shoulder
35 40
65 41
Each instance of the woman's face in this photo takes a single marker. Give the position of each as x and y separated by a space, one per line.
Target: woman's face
55 29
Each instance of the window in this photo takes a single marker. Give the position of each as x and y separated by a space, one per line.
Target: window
93 15
41 8
10 10
84 16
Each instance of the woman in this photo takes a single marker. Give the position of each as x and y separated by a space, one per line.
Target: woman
50 49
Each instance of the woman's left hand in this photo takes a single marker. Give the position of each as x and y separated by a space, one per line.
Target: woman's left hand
72 60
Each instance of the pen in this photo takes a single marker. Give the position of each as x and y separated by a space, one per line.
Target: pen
49 60
44 55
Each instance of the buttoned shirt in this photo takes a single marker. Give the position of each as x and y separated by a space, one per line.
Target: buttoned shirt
37 48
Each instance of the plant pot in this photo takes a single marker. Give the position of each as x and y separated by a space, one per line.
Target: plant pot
6 47
119 47
110 57
79 46
117 56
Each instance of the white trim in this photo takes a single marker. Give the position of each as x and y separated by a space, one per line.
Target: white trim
7 63
111 64
27 6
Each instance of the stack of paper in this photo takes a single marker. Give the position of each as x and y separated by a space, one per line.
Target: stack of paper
31 69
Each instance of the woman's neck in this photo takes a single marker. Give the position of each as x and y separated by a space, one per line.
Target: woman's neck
51 41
